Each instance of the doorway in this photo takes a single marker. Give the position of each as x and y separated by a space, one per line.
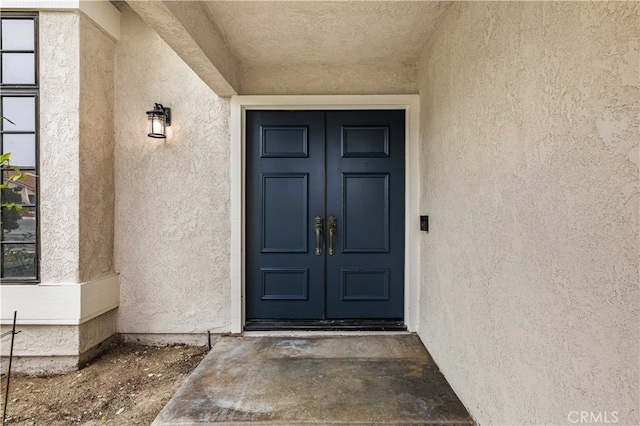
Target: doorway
325 211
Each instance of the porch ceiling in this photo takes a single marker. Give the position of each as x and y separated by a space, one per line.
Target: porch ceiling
266 47
264 33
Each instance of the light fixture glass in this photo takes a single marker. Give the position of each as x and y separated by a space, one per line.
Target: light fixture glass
159 119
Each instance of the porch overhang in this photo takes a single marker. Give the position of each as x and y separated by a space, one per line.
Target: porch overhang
297 48
186 28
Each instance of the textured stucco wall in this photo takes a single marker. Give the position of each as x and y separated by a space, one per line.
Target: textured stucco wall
56 349
76 198
59 149
76 149
329 79
529 295
325 47
42 340
172 232
96 162
61 340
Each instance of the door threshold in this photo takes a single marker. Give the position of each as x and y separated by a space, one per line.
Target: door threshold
325 325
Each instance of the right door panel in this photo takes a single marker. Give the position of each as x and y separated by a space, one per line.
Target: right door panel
365 194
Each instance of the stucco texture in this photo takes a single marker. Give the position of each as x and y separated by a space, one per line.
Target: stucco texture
59 174
53 349
172 228
186 28
362 78
529 127
76 149
76 193
96 152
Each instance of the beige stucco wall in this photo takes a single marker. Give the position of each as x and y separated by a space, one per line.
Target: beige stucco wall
172 232
59 34
96 160
529 295
56 348
59 328
76 149
364 78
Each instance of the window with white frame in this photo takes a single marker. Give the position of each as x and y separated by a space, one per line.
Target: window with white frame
19 103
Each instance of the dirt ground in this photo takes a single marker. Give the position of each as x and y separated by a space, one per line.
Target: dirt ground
128 385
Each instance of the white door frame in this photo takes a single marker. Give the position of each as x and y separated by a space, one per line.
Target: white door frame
409 103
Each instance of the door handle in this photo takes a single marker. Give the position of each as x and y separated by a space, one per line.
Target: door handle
333 225
318 223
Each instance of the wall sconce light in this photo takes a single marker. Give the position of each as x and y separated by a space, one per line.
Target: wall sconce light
159 119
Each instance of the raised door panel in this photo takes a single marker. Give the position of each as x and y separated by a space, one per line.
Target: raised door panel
285 215
365 141
365 206
365 284
285 283
284 141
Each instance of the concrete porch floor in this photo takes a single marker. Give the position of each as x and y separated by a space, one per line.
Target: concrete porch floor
371 379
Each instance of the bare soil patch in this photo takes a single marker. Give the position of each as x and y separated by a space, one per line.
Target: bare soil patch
127 385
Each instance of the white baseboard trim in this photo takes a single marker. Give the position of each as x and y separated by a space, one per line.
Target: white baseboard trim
59 304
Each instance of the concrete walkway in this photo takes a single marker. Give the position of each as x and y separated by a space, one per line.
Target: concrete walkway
376 379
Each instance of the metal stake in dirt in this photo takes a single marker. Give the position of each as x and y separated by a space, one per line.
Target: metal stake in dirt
6 394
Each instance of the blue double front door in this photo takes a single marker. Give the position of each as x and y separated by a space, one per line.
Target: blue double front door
325 214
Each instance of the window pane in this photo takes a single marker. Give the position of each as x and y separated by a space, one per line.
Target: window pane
19 246
18 68
20 110
19 260
20 191
22 149
19 225
17 34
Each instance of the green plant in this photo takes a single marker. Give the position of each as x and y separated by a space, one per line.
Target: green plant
8 177
11 215
14 175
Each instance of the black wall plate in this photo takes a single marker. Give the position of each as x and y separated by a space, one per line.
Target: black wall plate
424 223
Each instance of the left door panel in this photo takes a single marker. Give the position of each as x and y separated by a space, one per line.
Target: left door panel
285 191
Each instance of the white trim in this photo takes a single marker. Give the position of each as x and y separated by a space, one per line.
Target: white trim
40 4
409 103
236 158
59 304
103 13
